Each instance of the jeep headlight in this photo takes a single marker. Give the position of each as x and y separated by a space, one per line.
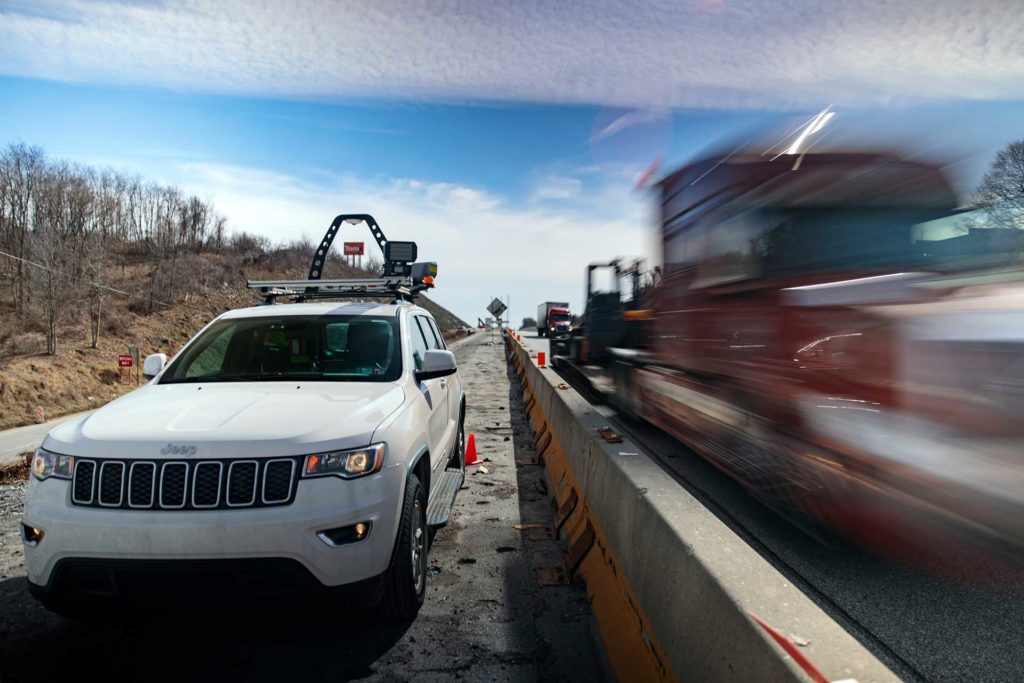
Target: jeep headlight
47 464
348 464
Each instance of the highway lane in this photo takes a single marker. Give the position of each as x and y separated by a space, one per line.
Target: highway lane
946 626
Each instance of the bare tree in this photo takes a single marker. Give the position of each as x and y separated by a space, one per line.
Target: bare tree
64 227
1002 188
106 221
61 211
20 170
94 262
165 234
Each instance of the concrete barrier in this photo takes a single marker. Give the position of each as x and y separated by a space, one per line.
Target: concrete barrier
675 592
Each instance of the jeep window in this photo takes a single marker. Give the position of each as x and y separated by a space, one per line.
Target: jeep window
428 334
437 333
209 360
313 348
419 342
336 337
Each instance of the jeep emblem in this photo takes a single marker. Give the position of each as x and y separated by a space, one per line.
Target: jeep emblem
173 449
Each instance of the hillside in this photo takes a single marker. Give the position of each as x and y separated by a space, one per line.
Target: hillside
78 377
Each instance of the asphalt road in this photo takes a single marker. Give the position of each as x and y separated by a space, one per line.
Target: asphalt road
964 622
14 442
485 617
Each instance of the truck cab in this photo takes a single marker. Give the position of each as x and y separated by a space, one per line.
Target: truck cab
553 319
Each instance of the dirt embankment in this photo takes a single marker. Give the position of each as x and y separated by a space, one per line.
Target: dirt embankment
79 377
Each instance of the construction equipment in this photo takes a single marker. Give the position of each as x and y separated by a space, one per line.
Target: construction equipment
609 321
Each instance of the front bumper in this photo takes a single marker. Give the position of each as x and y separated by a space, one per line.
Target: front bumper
75 536
259 582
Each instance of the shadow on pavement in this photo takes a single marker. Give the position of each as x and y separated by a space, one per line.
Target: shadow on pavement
248 645
565 623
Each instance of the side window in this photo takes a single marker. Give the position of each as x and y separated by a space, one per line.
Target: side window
731 251
428 334
419 344
437 333
679 248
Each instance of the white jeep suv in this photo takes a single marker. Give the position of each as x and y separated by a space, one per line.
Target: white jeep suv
288 450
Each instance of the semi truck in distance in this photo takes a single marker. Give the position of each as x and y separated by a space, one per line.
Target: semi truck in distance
553 319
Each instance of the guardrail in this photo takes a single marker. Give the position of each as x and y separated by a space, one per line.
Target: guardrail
676 594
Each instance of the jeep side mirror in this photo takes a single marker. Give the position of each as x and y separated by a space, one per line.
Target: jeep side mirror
436 363
153 364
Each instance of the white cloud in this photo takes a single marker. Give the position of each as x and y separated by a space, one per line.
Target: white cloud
484 246
635 53
557 188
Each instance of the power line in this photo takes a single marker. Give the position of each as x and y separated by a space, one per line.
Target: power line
81 279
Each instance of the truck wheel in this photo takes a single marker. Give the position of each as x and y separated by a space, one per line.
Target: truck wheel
540 331
405 583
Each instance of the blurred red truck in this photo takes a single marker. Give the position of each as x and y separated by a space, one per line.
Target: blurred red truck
831 334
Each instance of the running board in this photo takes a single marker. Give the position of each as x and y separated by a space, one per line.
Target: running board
442 497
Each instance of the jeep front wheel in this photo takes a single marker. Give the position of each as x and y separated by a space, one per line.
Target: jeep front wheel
406 579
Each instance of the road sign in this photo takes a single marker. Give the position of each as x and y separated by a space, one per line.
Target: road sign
497 308
124 360
353 248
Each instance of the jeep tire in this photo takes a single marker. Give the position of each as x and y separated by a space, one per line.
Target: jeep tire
405 582
457 461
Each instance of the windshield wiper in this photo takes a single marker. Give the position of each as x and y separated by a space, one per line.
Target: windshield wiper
214 378
264 377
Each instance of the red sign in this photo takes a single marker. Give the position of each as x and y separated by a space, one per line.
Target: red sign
124 361
353 248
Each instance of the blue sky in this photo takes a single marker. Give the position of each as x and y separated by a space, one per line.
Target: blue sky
504 139
497 147
528 158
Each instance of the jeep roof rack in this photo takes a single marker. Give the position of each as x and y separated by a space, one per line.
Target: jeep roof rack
400 278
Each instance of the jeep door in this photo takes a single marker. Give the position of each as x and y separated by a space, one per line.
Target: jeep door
454 390
435 391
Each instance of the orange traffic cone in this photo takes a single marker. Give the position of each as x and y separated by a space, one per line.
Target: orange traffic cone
471 457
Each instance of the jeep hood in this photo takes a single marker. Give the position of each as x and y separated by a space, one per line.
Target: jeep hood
252 419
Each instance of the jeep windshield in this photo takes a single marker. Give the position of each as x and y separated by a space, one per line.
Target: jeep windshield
327 348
